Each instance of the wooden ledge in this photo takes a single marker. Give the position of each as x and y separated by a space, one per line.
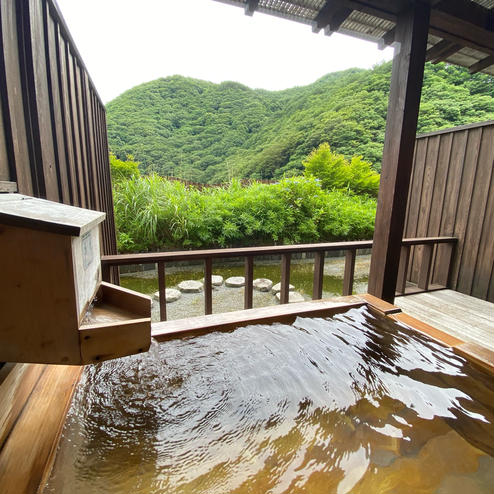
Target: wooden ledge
380 305
34 400
228 321
474 352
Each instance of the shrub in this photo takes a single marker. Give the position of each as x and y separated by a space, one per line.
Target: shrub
153 213
336 173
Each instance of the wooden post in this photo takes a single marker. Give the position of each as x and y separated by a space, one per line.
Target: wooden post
349 272
249 278
401 124
285 278
318 275
208 285
401 283
162 289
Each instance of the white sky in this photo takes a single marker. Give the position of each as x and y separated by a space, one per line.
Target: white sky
127 42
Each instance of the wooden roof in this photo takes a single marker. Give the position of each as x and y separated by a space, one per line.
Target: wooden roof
461 32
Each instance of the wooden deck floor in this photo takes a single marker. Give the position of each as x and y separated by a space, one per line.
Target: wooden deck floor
464 317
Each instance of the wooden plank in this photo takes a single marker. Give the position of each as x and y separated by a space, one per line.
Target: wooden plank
249 278
477 212
14 393
479 354
91 145
349 272
380 305
40 334
464 200
429 330
41 105
57 108
81 133
8 186
425 267
285 278
208 286
30 448
8 14
264 315
415 194
463 317
76 137
5 165
337 19
162 290
438 199
425 200
401 123
67 121
318 275
401 282
481 64
485 259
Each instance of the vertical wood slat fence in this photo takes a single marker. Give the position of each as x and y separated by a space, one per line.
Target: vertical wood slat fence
452 194
52 121
285 251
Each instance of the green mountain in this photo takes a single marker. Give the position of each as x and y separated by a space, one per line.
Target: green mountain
208 132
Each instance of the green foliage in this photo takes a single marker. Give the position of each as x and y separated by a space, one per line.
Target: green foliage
209 132
337 173
153 213
123 170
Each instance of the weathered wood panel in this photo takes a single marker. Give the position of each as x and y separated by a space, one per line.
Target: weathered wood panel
52 126
451 194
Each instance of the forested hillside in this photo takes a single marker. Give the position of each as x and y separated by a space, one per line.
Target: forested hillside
209 132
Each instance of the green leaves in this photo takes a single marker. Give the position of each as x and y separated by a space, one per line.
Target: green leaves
336 173
155 214
208 132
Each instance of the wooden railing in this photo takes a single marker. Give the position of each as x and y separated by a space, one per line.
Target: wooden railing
285 251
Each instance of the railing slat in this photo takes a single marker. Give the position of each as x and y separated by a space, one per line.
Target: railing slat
208 286
318 275
401 283
425 267
249 278
349 271
285 278
162 290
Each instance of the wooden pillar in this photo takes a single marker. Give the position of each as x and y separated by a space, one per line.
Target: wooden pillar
401 126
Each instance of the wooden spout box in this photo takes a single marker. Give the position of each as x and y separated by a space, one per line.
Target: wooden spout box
50 270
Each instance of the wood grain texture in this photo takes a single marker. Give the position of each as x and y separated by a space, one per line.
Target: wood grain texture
461 205
53 139
27 453
401 122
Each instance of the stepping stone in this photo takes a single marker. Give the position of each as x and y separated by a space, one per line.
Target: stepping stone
216 280
235 281
171 295
262 284
277 288
190 286
293 297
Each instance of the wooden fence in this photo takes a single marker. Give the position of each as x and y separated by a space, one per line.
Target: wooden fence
451 194
52 121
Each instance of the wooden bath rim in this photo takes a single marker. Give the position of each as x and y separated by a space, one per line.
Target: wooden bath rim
28 441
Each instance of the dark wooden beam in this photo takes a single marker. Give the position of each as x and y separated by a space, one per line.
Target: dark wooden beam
387 40
481 64
339 17
251 6
441 51
401 125
325 15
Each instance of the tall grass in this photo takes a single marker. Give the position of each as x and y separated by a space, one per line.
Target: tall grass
153 213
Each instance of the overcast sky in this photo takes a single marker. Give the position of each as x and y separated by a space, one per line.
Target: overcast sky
128 42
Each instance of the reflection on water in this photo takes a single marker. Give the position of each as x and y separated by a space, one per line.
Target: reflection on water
350 404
